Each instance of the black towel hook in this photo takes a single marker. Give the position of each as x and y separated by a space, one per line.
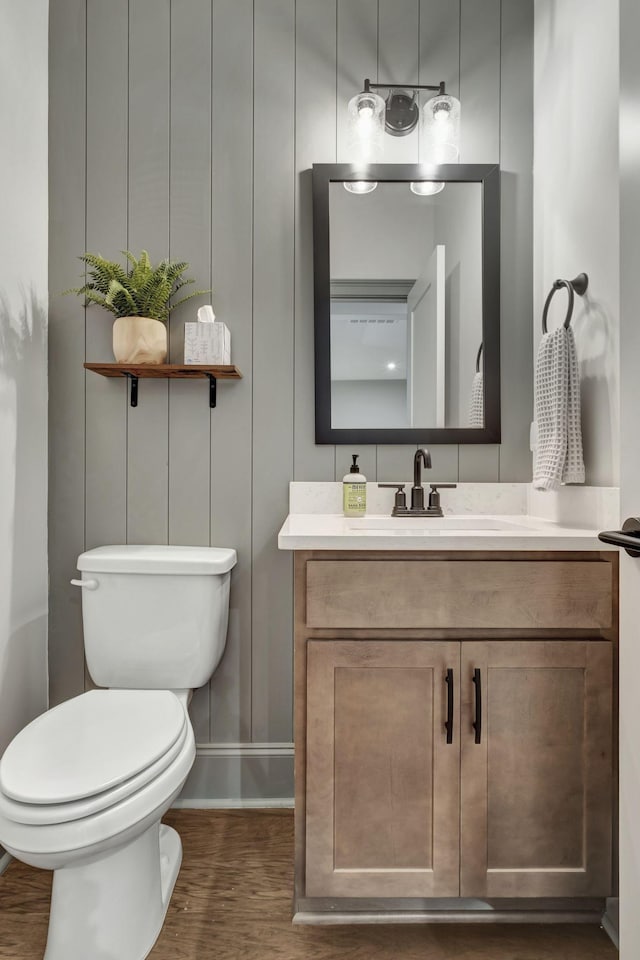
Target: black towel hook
478 357
579 284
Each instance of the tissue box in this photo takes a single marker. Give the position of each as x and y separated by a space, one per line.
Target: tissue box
207 343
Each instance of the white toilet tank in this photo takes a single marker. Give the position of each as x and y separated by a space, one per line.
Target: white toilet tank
155 617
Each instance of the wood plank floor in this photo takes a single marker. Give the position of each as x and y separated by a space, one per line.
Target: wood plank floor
232 901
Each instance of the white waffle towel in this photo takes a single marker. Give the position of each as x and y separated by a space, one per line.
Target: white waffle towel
558 456
476 404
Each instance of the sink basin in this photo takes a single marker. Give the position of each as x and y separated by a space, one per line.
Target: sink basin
431 525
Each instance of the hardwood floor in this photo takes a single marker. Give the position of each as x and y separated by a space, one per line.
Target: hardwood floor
232 901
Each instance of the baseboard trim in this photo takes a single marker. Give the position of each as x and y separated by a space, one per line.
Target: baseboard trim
244 749
5 860
330 910
239 774
610 921
233 803
447 916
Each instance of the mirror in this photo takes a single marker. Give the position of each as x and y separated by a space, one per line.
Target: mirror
407 302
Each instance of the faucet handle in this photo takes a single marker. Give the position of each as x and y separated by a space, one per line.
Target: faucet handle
400 499
434 507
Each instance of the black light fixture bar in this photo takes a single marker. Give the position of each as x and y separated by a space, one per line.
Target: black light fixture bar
404 86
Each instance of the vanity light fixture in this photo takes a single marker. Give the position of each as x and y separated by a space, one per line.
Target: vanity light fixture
440 131
360 186
426 188
365 135
370 116
439 138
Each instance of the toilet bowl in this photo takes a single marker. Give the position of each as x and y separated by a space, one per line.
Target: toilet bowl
82 791
84 786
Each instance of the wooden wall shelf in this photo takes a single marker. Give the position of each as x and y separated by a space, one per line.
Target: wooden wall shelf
167 371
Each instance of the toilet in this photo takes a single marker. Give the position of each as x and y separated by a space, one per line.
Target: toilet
84 786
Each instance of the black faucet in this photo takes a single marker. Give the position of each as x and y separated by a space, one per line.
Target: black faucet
417 491
417 508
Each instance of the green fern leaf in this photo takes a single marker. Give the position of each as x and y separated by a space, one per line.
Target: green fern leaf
142 290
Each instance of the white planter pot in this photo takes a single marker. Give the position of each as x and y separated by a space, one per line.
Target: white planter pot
139 340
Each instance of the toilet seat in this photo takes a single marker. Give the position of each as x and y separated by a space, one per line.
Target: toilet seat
90 753
42 814
55 845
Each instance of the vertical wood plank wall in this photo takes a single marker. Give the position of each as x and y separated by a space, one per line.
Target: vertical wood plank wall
186 127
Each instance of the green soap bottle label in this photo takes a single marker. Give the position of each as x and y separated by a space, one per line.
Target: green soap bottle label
354 499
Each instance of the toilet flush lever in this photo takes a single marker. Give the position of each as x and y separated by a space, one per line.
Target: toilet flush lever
87 584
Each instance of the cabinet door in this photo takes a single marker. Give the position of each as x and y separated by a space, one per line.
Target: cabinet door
537 788
382 814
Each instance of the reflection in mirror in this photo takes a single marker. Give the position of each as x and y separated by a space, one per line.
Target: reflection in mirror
406 307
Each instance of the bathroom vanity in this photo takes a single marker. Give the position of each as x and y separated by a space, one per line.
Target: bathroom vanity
454 721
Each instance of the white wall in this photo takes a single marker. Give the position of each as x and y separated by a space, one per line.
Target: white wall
387 234
576 202
23 363
369 403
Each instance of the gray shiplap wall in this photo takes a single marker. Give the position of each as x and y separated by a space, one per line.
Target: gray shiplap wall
186 127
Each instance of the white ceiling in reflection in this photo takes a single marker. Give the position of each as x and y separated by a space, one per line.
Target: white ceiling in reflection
368 340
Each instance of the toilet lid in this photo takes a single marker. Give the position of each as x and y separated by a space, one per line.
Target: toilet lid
41 814
90 744
158 559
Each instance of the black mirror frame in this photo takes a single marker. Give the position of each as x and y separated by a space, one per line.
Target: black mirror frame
489 176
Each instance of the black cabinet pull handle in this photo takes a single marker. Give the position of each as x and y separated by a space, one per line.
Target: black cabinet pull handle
477 723
449 724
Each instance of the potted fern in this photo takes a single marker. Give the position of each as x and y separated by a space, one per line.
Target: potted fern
141 299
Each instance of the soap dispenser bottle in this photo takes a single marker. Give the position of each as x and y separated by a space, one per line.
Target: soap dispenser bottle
354 491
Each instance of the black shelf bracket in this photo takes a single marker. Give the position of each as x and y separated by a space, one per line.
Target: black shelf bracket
133 379
212 390
134 387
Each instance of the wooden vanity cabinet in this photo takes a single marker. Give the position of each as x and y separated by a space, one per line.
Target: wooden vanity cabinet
453 761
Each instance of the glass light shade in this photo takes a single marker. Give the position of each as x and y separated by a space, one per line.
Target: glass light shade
440 130
365 132
426 188
360 186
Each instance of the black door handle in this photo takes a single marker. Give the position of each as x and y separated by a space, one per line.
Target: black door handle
449 724
477 723
628 537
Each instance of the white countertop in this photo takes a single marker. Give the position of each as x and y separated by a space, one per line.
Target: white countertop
522 518
330 531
